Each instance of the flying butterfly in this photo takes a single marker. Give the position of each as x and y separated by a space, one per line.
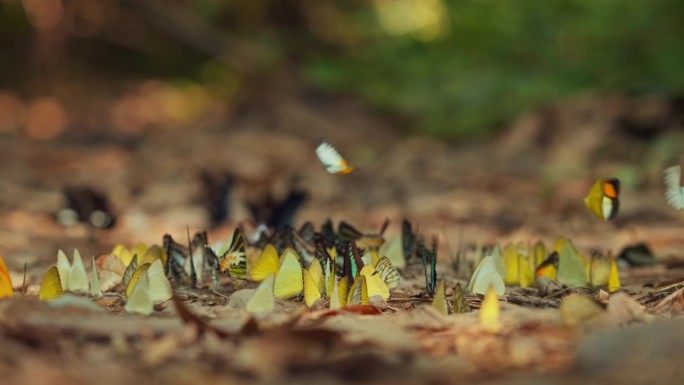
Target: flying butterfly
333 162
674 192
83 204
603 199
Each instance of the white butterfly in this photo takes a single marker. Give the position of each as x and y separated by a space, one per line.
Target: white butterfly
332 160
674 193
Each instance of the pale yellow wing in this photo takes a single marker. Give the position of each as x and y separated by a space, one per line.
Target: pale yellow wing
63 267
262 301
311 291
388 273
289 281
78 278
160 287
139 300
137 275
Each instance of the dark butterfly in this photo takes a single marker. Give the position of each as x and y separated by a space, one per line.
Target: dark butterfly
85 205
364 242
429 265
277 215
408 239
216 188
352 263
177 255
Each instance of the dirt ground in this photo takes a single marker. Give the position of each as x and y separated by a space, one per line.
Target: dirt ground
525 185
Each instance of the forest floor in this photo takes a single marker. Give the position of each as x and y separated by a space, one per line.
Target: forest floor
525 185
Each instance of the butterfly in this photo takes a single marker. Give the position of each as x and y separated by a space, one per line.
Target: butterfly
6 290
602 271
489 311
408 239
234 259
393 250
364 242
139 300
265 265
571 265
51 285
519 269
289 280
602 200
388 273
263 300
674 192
277 215
73 276
216 188
95 288
314 283
439 302
486 275
333 162
549 267
460 304
83 204
429 265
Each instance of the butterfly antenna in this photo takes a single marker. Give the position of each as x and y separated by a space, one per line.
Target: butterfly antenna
23 283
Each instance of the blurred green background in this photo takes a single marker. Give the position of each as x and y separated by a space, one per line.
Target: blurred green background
451 68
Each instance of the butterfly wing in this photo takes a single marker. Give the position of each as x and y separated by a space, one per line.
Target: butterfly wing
674 193
375 286
262 301
265 265
50 286
388 273
289 281
312 293
63 267
6 290
333 162
439 303
78 278
139 300
235 259
160 287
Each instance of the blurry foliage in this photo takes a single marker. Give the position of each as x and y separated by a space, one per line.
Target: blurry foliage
452 68
501 57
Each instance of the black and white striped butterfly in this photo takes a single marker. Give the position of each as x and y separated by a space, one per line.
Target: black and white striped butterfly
674 192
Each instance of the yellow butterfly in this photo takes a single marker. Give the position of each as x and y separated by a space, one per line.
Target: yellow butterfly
312 291
262 301
518 267
602 271
142 269
265 265
489 311
335 297
289 280
358 293
50 286
375 286
439 302
6 290
486 275
602 200
333 162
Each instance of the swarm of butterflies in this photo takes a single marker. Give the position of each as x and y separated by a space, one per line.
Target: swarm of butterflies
335 269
